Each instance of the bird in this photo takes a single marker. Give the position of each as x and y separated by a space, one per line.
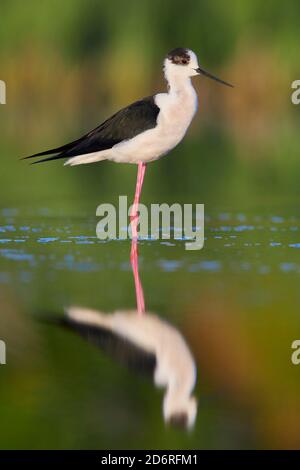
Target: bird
145 130
145 344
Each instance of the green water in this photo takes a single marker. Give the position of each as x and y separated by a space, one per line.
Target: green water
236 303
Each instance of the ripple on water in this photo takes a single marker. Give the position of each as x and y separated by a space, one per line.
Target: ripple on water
169 265
236 242
17 255
288 267
47 239
212 266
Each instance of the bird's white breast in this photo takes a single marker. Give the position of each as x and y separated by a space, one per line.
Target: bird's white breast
177 110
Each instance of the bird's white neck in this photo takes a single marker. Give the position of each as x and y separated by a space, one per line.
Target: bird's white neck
179 401
178 83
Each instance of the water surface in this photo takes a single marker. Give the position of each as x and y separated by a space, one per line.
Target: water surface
235 303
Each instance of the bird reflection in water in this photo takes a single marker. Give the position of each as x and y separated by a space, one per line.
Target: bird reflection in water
144 342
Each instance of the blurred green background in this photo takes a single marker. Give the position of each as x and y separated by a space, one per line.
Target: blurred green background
67 66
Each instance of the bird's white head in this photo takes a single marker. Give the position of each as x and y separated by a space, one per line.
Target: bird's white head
181 64
179 409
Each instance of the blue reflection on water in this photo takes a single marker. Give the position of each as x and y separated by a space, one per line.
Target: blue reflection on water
234 246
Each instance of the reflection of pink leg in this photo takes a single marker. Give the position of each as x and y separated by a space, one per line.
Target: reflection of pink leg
134 258
134 248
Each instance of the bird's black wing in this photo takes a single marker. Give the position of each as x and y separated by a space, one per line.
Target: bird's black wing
123 125
120 349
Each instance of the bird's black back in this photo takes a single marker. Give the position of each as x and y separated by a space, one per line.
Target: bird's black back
123 125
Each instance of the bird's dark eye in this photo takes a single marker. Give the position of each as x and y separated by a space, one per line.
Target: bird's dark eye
179 56
179 60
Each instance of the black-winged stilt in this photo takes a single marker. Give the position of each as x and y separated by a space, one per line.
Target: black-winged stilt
143 131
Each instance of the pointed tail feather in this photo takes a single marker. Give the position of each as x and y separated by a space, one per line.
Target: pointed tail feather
47 152
78 160
54 157
61 150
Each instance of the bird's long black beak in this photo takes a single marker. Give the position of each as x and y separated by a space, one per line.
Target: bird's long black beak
209 75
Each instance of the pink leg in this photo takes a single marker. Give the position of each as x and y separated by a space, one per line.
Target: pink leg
134 248
134 219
